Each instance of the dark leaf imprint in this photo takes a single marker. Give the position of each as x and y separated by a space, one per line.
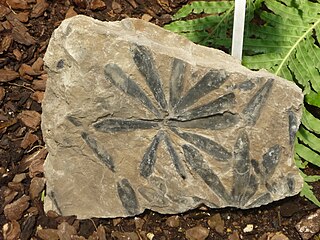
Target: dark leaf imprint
246 85
241 172
55 202
115 75
153 196
211 81
262 200
176 81
98 150
291 183
250 189
271 159
150 156
146 65
198 164
212 108
175 157
205 144
216 122
122 125
253 109
128 197
74 121
293 126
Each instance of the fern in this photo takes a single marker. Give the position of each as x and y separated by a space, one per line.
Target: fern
286 44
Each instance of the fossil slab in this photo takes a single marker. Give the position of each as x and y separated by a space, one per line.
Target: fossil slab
136 117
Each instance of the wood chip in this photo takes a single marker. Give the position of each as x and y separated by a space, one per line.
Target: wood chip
28 140
39 8
20 32
11 230
48 234
124 235
14 211
132 3
29 159
37 65
39 85
97 5
7 123
2 93
173 221
65 230
30 119
81 3
217 223
17 54
26 70
36 167
309 225
8 75
4 11
19 177
9 194
7 25
20 35
37 96
16 186
23 16
116 7
71 12
18 4
165 5
36 186
146 17
5 43
99 234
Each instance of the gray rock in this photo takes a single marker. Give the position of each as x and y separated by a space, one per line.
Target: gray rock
136 117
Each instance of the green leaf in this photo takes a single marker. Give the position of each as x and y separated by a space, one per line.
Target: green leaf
313 99
313 178
286 42
299 163
206 30
310 122
203 7
308 154
307 192
309 139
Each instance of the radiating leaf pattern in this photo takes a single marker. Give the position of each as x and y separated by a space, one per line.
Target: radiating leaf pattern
175 117
285 42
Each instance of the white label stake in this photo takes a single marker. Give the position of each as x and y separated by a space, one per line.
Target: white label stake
238 28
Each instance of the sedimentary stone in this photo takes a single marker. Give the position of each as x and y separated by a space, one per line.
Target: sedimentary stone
136 117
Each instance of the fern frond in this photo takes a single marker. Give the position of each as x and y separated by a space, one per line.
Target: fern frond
308 138
307 192
203 7
310 122
308 154
290 30
313 98
299 162
217 23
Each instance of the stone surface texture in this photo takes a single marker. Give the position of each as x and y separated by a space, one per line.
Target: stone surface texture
136 117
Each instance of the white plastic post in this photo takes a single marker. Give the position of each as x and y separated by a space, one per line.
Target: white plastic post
238 28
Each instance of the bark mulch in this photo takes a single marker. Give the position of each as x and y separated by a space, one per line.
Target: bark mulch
25 29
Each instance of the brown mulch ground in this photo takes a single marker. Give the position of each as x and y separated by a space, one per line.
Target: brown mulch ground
25 29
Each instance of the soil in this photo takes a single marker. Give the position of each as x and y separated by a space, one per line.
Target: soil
25 29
